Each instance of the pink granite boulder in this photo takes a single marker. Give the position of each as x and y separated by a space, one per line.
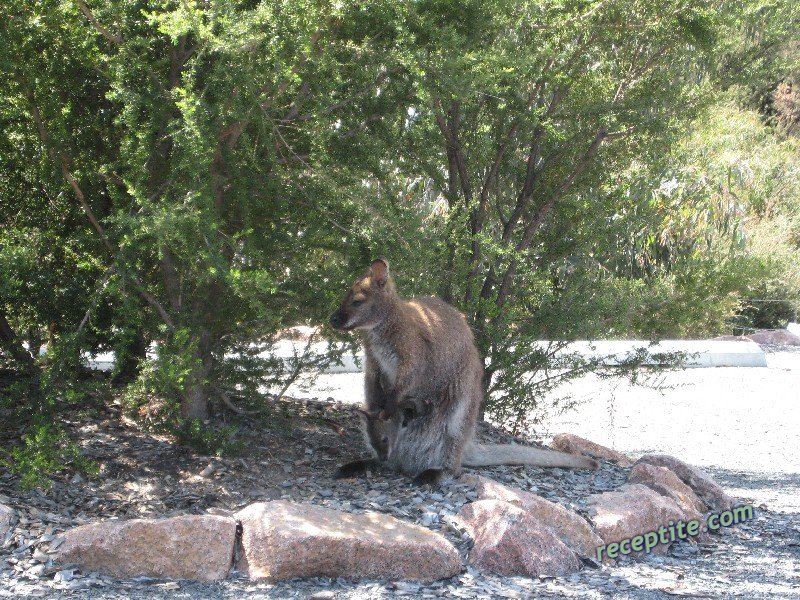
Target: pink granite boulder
567 525
508 540
187 547
573 444
666 483
633 510
708 490
282 540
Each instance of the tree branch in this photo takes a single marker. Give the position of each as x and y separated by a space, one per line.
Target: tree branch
10 342
62 159
114 38
454 126
223 395
544 209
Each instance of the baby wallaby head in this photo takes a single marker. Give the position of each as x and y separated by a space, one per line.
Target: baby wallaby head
378 432
368 299
381 432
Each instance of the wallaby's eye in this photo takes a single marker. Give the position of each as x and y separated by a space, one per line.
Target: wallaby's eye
357 302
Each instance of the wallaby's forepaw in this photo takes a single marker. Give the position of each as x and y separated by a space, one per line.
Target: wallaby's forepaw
428 477
357 468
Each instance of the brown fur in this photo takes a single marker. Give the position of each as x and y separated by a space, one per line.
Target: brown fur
423 382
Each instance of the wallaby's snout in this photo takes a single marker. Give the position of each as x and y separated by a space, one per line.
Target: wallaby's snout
338 319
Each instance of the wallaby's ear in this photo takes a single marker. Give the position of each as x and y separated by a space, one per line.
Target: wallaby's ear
379 271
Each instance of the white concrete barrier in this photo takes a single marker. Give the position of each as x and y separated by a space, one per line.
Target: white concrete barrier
286 350
698 353
793 328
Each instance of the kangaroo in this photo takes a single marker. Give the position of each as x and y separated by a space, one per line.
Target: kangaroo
423 385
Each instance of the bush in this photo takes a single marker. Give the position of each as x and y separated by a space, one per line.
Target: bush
45 451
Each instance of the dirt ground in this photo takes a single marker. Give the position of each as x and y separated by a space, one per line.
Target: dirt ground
739 424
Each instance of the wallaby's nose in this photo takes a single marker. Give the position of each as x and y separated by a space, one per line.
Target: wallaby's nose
337 320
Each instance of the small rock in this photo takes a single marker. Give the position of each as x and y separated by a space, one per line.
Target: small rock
8 517
36 570
40 556
65 575
701 482
171 585
573 444
429 518
322 595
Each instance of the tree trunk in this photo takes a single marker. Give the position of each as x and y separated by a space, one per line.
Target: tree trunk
131 355
486 382
194 404
11 344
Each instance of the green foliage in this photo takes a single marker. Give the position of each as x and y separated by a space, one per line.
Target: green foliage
210 440
743 183
196 177
45 451
161 382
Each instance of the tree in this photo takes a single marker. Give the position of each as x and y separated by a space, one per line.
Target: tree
195 151
525 115
199 175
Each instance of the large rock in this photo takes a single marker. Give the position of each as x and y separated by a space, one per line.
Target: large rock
7 519
701 482
573 444
510 541
633 510
566 525
187 547
667 483
282 540
779 337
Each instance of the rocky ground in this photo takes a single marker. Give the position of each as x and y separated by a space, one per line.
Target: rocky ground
294 455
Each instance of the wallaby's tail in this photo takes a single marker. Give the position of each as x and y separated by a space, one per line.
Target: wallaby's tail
489 455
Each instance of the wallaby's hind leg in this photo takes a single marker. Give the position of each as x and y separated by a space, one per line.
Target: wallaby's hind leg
453 450
459 427
429 477
357 468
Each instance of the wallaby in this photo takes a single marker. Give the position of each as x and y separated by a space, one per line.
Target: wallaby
423 385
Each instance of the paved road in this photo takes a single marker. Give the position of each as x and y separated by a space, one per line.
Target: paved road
743 424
